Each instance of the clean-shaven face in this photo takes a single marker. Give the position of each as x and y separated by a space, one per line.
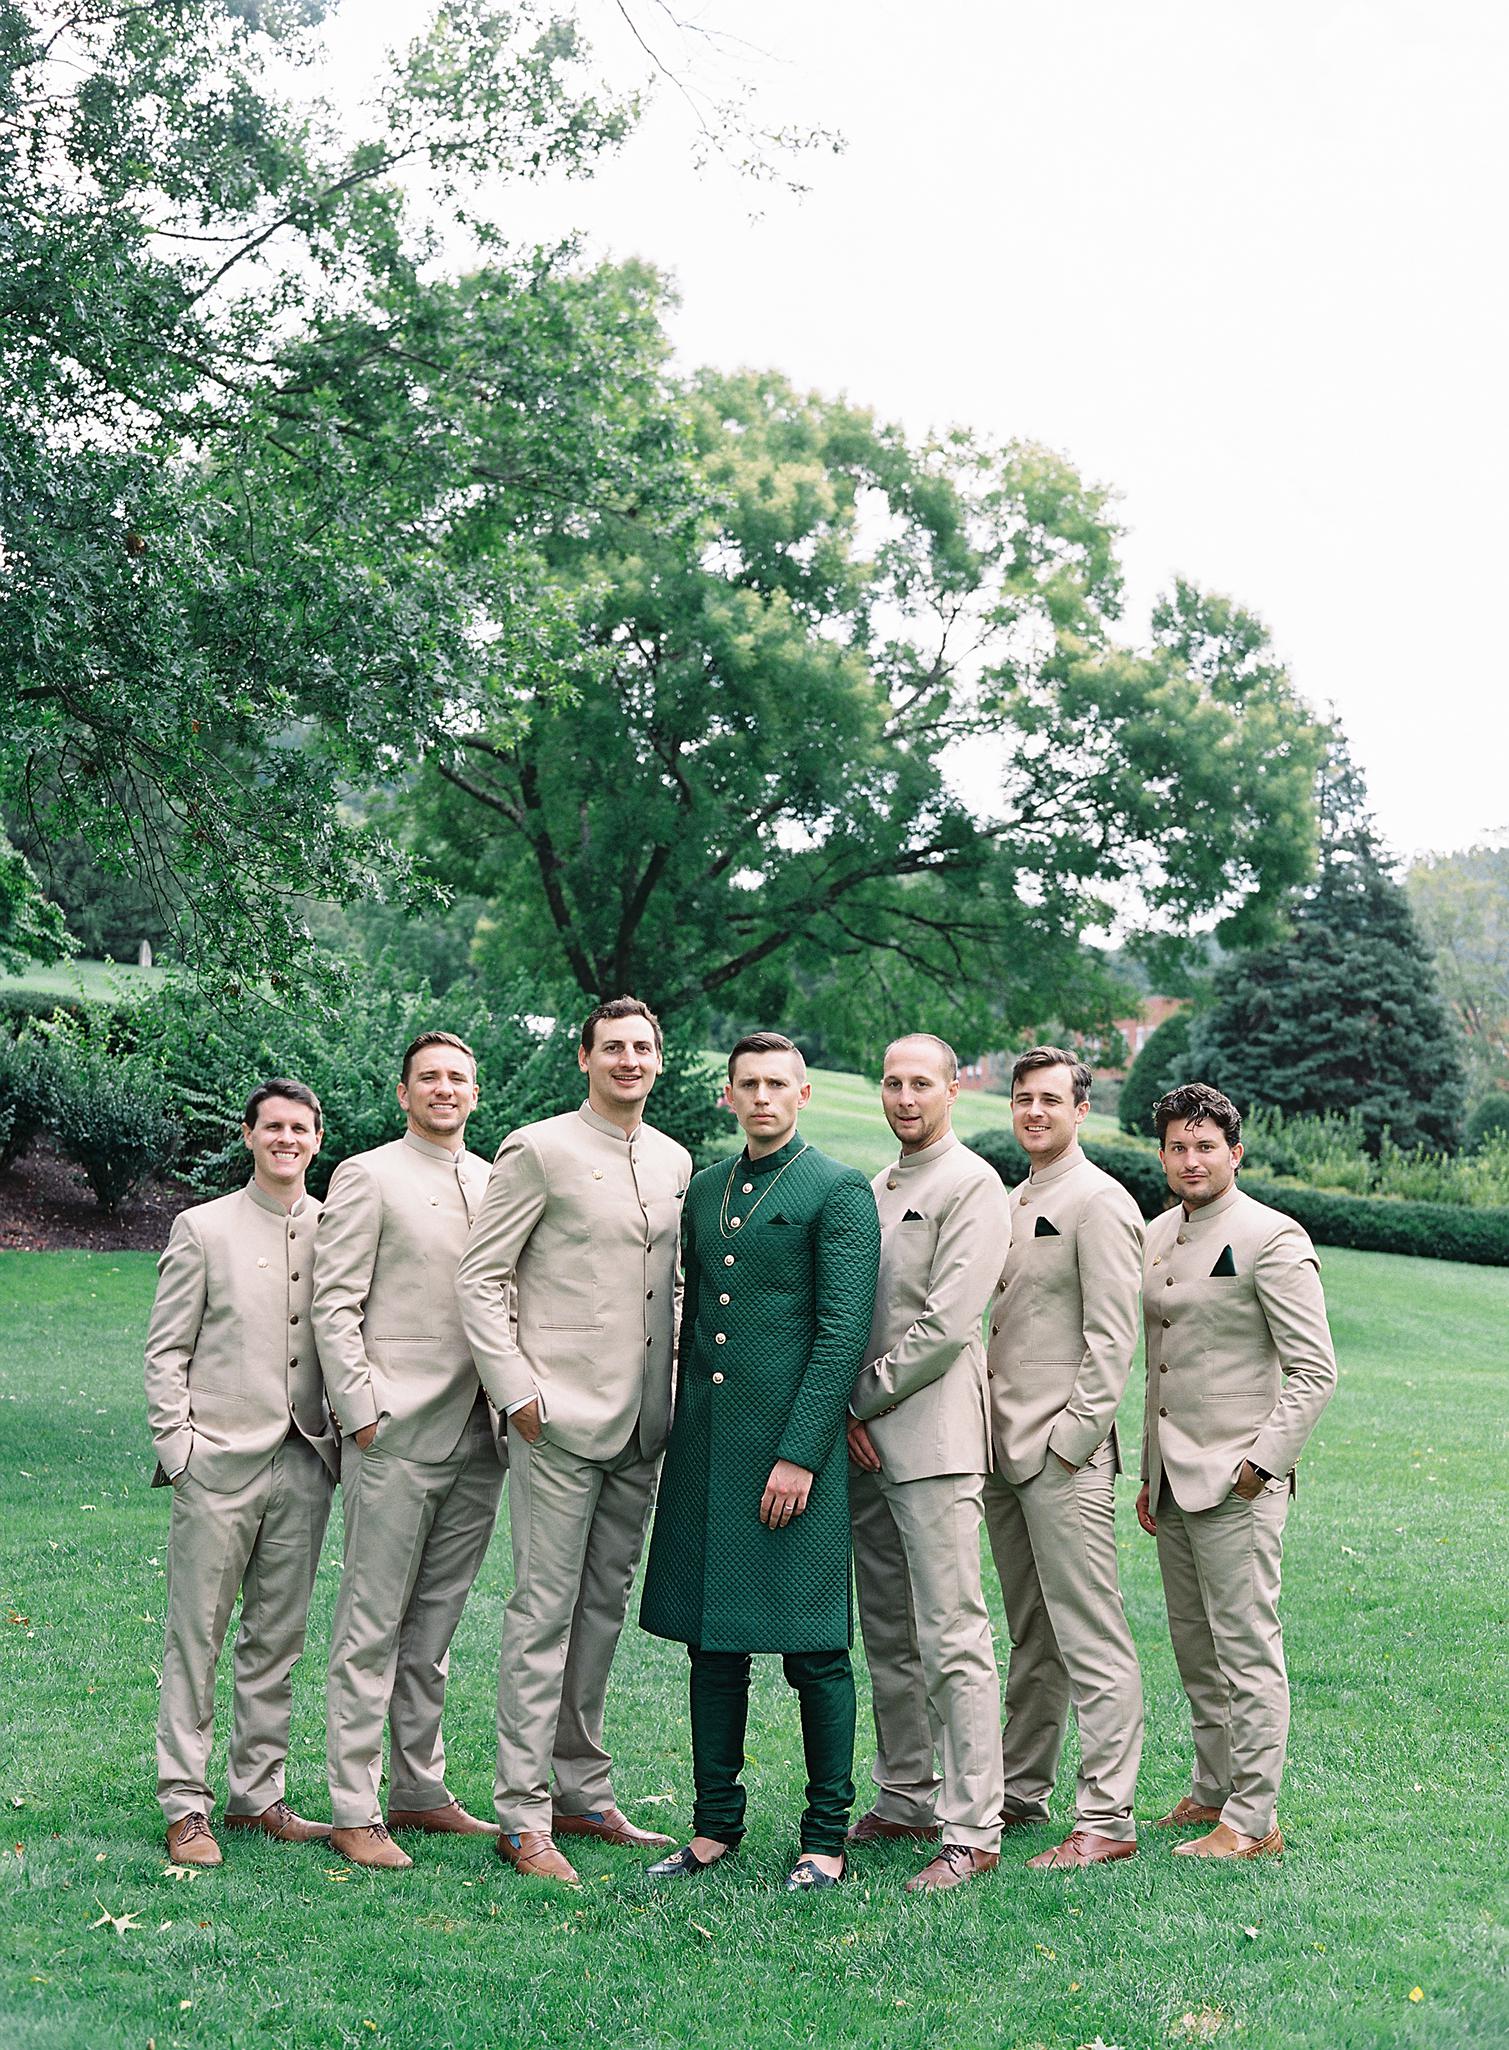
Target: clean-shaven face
917 1093
282 1143
620 1065
439 1095
1044 1115
768 1092
1199 1161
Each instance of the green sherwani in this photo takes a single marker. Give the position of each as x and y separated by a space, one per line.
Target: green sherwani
774 1324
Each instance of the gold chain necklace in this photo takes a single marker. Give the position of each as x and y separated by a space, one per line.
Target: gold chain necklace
727 1225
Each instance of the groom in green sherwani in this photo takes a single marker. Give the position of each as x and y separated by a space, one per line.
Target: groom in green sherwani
750 1550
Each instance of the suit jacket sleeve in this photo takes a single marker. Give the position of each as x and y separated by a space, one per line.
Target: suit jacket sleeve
1110 1282
688 1291
847 1256
511 1208
966 1263
1287 1278
346 1241
172 1334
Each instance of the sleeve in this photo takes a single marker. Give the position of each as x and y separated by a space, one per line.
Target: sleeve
972 1238
688 1294
346 1238
1287 1278
172 1334
1109 1245
847 1257
512 1206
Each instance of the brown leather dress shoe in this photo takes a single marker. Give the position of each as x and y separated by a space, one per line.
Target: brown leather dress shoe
1186 1812
953 1865
279 1821
191 1841
370 1845
533 1853
609 1826
451 1820
1225 1842
1083 1847
876 1829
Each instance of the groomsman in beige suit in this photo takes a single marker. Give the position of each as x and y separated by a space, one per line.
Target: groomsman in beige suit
919 1443
1239 1367
568 1294
237 1415
1062 1335
421 1468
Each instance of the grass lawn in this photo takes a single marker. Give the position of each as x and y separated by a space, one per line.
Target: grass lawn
107 982
1398 1585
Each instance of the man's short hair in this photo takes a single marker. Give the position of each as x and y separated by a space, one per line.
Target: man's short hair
282 1085
417 1046
766 1042
950 1058
1053 1057
620 1007
1191 1104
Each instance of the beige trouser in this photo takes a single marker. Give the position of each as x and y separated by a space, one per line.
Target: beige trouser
264 1540
1221 1572
933 1680
416 1535
1053 1539
578 1529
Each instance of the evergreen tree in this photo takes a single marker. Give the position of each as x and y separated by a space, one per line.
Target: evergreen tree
1347 1013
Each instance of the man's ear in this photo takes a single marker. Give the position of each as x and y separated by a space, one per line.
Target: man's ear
246 1132
581 1059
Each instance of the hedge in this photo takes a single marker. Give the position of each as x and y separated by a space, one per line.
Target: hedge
1368 1224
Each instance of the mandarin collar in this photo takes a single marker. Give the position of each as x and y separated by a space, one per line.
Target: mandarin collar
607 1127
913 1163
434 1152
1218 1208
270 1203
769 1162
1057 1169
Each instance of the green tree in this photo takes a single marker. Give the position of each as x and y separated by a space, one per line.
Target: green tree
1461 902
1163 1064
751 775
1345 1014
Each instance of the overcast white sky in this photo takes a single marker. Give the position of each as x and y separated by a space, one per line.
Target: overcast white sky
1244 263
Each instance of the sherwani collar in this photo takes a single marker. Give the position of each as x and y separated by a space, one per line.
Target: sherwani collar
270 1203
771 1161
607 1127
1057 1169
1195 1220
925 1156
433 1152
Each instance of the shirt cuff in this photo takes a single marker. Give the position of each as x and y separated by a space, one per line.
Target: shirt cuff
524 1404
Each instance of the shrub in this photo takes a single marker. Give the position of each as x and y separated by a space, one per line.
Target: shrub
1162 1064
1328 1152
1137 1168
1488 1117
110 1115
28 1094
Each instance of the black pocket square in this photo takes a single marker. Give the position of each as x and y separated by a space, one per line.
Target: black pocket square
1225 1265
778 1219
914 1217
1044 1230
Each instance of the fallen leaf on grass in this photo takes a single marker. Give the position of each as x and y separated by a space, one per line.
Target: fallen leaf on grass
1074 1985
119 1923
1417 1993
99 1857
1043 1951
703 1932
336 1878
179 1872
1100 2044
14 1617
653 1800
1200 2024
184 2006
1250 1933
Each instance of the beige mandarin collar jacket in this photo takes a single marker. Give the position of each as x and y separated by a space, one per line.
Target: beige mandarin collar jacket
231 1360
1239 1356
391 1344
1064 1326
944 1224
570 1284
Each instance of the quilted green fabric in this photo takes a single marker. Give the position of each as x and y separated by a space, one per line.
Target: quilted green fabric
780 1309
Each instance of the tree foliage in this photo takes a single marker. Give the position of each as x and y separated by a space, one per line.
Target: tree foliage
1346 1014
1461 902
1163 1064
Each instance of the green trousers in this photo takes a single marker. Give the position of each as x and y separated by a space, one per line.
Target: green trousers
824 1683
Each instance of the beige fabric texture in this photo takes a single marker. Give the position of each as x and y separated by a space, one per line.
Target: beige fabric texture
391 1342
262 1539
569 1287
416 1535
933 1679
1064 1325
578 1527
1240 1366
1221 1571
944 1225
230 1345
1053 1539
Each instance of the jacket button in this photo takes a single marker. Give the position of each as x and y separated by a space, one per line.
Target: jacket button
1000 1288
1164 1368
295 1275
725 1300
649 1295
1166 1322
720 1338
995 1330
292 1364
294 1318
728 1259
1170 1282
648 1339
1163 1412
1182 1238
717 1380
990 1373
